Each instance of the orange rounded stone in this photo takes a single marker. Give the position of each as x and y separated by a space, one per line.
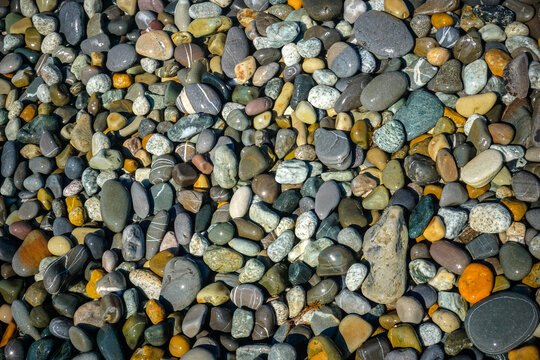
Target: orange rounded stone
419 139
73 201
476 192
529 352
9 333
432 309
475 283
179 345
497 61
295 4
533 278
29 112
433 189
438 56
145 140
95 276
122 81
516 207
441 19
155 311
130 165
455 117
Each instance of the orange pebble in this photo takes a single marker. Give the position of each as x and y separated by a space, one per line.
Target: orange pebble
438 56
455 117
145 140
9 333
441 19
497 61
516 207
529 352
432 309
475 283
29 112
130 165
179 345
122 81
202 184
155 311
419 139
95 276
295 4
533 278
433 189
476 192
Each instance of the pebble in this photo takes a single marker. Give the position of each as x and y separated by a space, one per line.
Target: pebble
264 179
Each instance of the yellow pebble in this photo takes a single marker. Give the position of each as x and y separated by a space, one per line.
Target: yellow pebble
59 245
45 197
155 311
77 216
476 104
305 112
95 276
73 201
435 229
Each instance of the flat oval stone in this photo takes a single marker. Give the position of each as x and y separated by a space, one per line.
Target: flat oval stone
115 205
70 18
392 84
482 169
501 322
383 34
155 44
450 256
121 57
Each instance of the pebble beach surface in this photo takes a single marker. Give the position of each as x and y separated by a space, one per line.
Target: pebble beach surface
269 179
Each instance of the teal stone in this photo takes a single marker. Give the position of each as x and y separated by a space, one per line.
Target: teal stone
162 196
171 93
203 217
273 88
420 113
287 201
421 216
157 335
115 205
30 55
64 352
131 300
244 94
31 132
299 273
108 343
311 186
221 233
40 349
190 126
